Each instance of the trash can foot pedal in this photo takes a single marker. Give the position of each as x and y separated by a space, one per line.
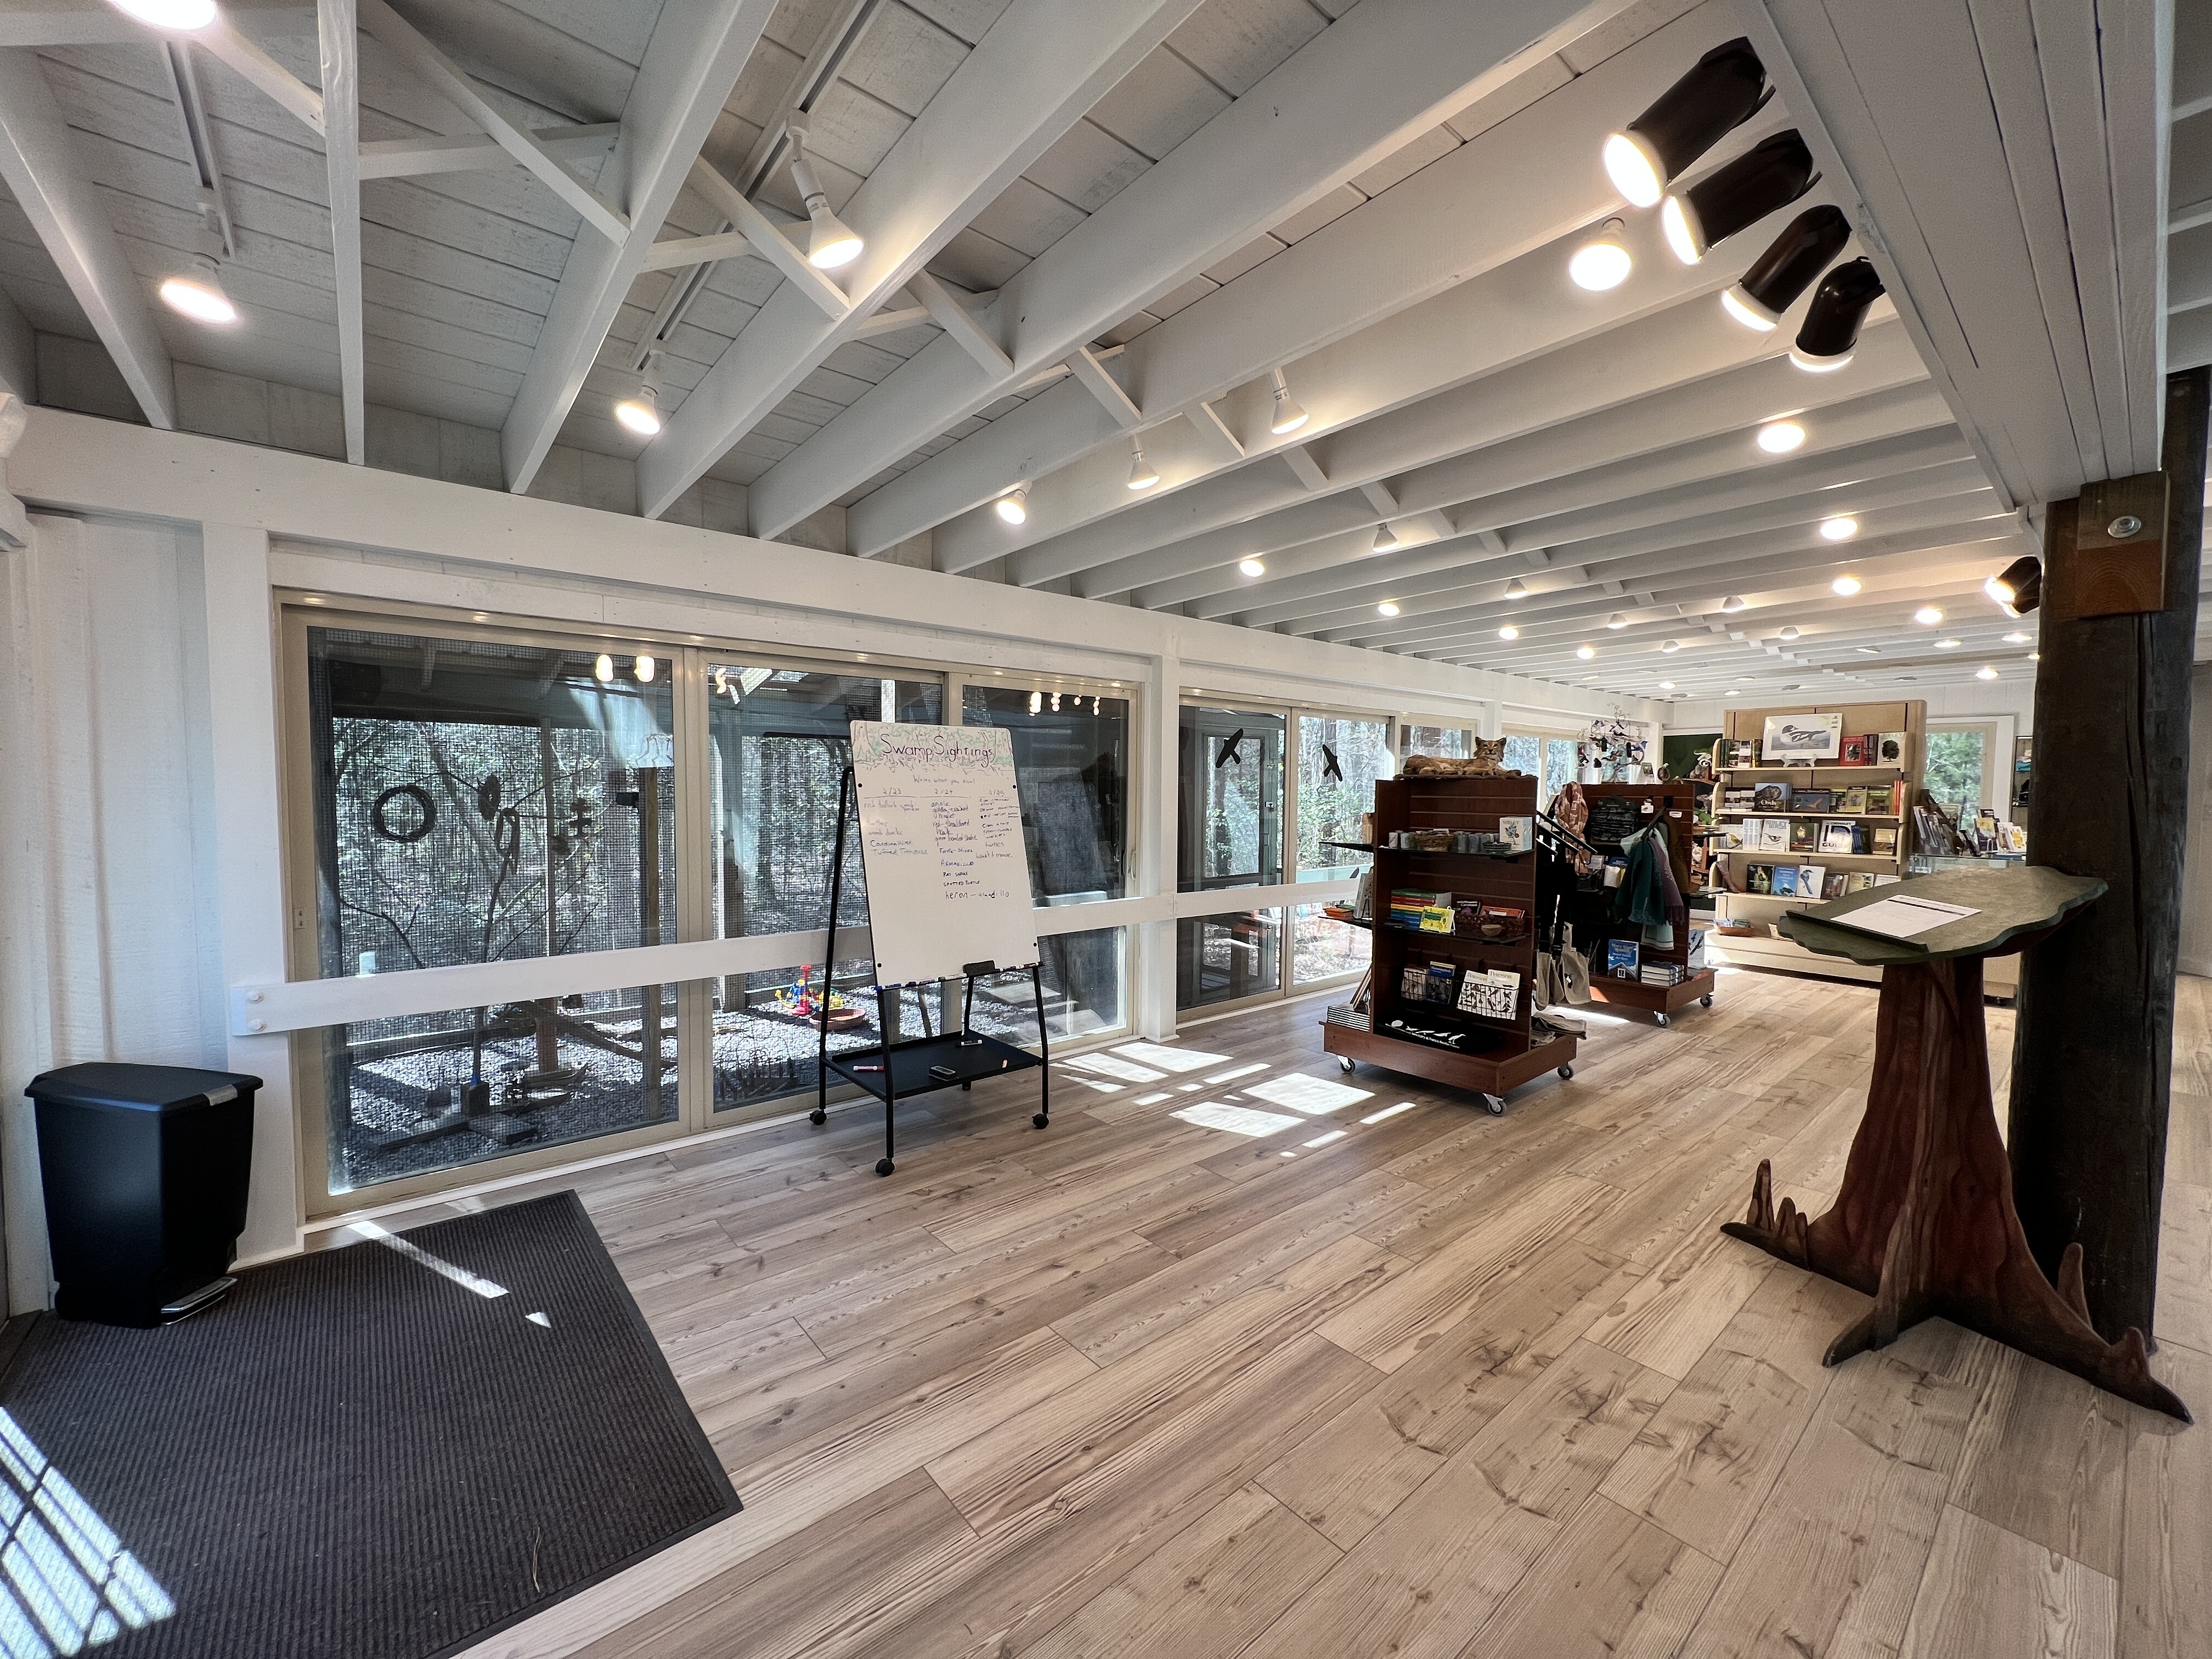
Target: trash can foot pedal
198 1302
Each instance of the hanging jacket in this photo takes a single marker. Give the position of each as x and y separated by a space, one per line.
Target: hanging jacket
1639 898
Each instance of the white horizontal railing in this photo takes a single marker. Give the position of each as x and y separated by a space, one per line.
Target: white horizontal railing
305 1003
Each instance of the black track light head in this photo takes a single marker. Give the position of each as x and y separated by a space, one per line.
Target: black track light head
2019 586
1724 90
1787 268
1830 331
1770 175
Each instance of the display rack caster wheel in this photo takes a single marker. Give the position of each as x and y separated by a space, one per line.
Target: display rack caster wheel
1042 1121
885 1166
1496 1103
1706 1000
1347 1062
1661 1021
817 1116
963 1086
1566 1073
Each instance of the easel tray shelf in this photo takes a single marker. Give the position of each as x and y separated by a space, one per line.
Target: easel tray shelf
971 1060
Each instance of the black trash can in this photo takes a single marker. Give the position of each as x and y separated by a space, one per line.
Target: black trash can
145 1169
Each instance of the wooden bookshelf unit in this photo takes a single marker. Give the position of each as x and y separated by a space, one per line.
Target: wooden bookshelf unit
1675 804
1514 880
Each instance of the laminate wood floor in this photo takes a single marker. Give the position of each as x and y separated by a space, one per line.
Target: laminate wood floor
1243 1357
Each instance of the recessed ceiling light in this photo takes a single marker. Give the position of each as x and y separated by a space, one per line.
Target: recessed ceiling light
1616 621
1840 528
1985 672
1253 567
1669 647
1731 692
1846 585
1789 633
1733 603
1928 616
1603 262
1585 651
1665 685
1508 632
2015 638
1780 437
1388 608
1946 645
1014 506
1869 650
184 15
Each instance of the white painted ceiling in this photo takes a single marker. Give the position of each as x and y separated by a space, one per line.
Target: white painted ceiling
1091 226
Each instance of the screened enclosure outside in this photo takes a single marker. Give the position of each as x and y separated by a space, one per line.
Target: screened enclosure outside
481 801
1550 761
1324 949
1228 957
778 744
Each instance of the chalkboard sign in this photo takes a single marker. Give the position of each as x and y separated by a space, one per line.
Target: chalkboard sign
1613 819
941 841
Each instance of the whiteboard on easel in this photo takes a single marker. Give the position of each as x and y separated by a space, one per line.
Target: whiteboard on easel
941 842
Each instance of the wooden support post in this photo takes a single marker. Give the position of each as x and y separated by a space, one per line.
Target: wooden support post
2092 1050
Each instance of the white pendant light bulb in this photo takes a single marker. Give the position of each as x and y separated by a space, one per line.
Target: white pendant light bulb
1143 475
833 242
1668 648
1252 566
1616 621
1846 585
640 412
1788 633
1840 528
1290 413
1516 589
1634 170
197 292
1603 262
1385 539
1731 604
1014 507
180 16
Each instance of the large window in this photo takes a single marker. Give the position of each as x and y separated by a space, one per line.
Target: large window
1445 742
482 801
1339 760
1958 773
1545 756
1230 833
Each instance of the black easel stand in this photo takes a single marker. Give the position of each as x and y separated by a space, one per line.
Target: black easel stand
893 1070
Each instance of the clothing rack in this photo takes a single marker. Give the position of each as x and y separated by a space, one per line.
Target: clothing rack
1674 804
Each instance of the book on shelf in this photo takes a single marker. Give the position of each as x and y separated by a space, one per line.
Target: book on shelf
1492 995
1422 911
1660 973
1839 835
1693 958
1774 834
1889 748
1734 799
1442 979
1413 984
1813 800
1837 884
1804 834
1853 801
1623 958
1812 880
1783 880
1854 750
1882 840
1859 881
1773 797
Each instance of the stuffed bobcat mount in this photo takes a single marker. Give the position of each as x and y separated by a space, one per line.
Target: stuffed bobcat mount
1488 760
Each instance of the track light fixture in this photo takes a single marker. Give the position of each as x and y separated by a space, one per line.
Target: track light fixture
1787 268
640 411
1790 632
1386 539
1603 262
1616 621
1724 90
1252 566
1731 604
1770 175
1516 589
1290 413
2019 586
1846 585
1668 648
1830 330
1143 475
833 242
196 292
1014 507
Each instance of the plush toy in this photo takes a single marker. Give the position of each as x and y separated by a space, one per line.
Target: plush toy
1488 760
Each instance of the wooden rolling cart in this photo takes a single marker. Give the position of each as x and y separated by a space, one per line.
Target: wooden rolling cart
1674 804
1503 1056
1766 946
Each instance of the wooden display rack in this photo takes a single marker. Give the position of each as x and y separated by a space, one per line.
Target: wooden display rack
1676 804
1510 879
1771 948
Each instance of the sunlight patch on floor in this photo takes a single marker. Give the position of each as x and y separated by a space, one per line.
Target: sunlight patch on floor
1237 1120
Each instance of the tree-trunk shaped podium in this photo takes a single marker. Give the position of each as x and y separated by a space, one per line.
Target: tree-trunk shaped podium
1925 1222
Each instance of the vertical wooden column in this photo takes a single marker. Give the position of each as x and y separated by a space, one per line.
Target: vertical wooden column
2092 1051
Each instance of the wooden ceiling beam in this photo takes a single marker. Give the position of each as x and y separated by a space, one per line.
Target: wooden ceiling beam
1031 78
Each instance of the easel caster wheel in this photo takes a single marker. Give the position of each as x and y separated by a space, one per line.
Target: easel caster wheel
885 1166
1042 1121
1706 1000
817 1116
1566 1073
1497 1104
1661 1021
1345 1061
963 1087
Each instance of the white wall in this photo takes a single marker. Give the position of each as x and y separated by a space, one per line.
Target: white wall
156 718
108 941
